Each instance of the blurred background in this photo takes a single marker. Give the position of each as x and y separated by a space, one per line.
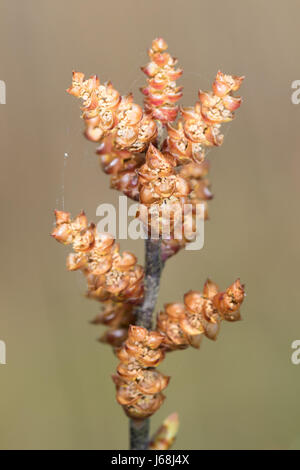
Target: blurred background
240 392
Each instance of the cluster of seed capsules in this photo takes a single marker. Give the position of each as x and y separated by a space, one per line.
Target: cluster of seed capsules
139 385
107 113
128 137
117 281
160 163
161 92
185 324
199 126
113 278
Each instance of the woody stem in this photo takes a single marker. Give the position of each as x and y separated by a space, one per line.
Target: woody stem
139 434
153 269
139 430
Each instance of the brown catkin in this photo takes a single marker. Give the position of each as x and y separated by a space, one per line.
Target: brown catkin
106 113
139 384
184 324
110 275
161 92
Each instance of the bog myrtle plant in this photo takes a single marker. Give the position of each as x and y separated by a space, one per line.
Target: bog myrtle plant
156 156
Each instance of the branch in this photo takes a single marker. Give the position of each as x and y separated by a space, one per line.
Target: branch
139 434
139 430
153 269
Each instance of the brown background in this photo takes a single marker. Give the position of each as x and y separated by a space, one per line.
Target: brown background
240 392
